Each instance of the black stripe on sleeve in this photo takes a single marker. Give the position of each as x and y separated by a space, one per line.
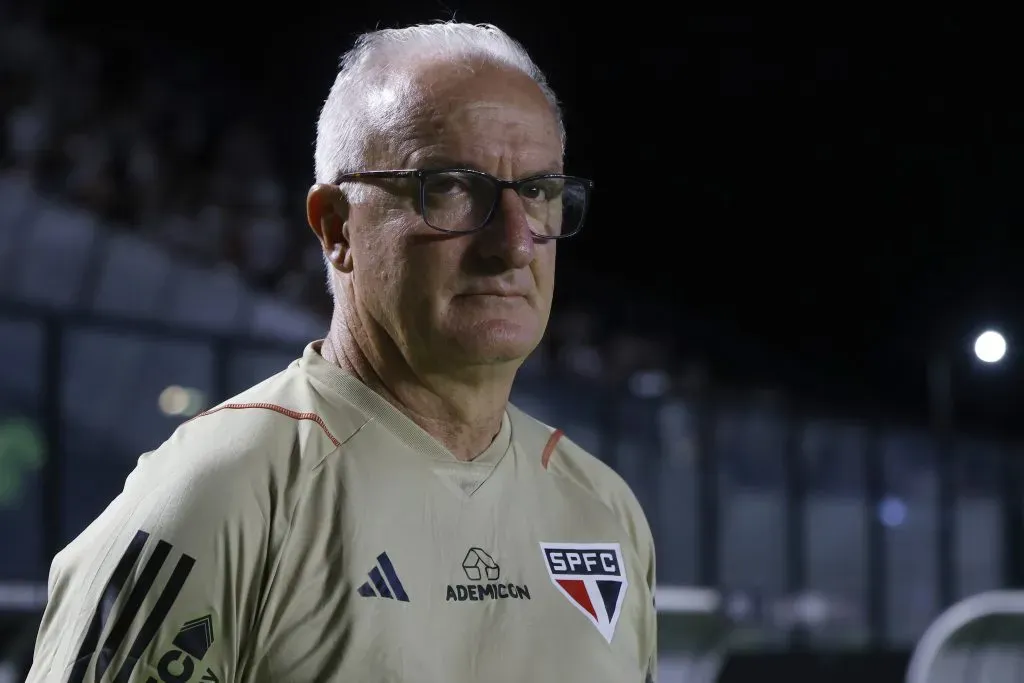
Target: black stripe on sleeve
109 596
132 606
156 618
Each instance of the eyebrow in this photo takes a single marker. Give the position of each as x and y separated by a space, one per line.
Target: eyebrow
438 161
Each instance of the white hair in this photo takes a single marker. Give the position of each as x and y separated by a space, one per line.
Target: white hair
348 122
345 124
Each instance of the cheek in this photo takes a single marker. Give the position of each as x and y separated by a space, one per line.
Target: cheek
431 266
544 269
377 266
407 272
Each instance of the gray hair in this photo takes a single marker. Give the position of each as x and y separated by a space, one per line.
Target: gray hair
346 123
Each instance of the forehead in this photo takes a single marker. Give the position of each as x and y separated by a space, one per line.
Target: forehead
480 115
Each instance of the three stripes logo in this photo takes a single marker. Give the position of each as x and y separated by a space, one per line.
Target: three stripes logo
134 593
384 582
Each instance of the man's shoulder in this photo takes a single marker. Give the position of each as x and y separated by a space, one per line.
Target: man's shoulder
286 416
265 440
243 463
562 457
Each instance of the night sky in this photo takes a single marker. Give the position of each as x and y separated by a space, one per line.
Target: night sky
815 201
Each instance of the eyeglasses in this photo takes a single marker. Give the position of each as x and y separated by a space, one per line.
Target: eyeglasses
458 200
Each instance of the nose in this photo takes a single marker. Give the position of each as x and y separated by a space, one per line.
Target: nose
508 239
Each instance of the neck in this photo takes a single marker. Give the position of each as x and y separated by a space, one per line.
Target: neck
462 413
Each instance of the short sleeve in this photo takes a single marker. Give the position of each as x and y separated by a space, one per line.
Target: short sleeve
652 583
161 587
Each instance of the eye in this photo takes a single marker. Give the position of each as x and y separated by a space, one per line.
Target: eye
452 186
445 184
541 190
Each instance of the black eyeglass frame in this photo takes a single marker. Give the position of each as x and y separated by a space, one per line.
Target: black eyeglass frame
422 174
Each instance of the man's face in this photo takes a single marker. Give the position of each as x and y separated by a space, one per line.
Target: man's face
459 300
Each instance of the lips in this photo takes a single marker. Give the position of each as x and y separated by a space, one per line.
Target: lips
504 295
506 292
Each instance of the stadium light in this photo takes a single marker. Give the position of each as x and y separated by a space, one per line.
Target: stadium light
990 347
175 401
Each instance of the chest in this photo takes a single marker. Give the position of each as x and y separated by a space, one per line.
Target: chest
517 582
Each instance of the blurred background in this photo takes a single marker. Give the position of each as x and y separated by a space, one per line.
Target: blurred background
801 225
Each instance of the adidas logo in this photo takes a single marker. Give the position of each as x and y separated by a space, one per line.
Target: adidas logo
384 582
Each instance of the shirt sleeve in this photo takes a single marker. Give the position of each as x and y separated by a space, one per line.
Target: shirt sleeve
652 583
160 587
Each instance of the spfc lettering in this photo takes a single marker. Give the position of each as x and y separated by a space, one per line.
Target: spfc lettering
593 578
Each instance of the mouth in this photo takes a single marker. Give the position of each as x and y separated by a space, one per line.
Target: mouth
492 300
501 294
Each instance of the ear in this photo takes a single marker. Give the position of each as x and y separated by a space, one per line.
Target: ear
327 211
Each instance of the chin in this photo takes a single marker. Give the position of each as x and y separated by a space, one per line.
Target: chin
497 341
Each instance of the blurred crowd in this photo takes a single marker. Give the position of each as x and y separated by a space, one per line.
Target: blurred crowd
156 154
160 152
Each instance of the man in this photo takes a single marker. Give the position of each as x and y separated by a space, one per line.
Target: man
378 511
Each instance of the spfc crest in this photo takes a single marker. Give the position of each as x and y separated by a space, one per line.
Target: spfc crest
593 577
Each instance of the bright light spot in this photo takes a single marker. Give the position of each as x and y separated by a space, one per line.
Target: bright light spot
173 400
739 607
810 609
990 347
892 511
178 401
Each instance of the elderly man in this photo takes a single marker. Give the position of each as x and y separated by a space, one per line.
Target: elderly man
378 511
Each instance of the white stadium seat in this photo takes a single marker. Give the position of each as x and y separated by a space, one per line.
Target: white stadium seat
213 299
694 634
274 318
17 200
53 261
133 279
979 639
